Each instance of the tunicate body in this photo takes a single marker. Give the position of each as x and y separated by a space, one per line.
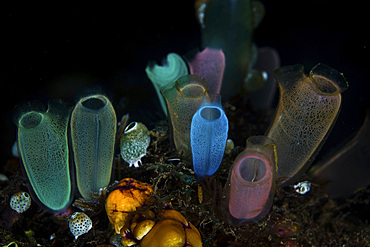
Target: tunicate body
209 64
172 69
183 99
208 137
229 25
250 187
346 170
93 130
43 148
307 110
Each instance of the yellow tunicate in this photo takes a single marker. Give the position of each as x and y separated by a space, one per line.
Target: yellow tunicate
142 228
193 236
172 230
129 195
183 99
307 110
175 215
166 233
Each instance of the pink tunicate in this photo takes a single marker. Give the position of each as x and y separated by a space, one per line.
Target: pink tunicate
209 64
251 182
250 186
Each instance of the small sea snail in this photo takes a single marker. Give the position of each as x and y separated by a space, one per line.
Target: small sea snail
129 195
20 201
79 224
134 142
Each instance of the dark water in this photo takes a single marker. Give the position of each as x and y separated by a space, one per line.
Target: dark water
51 52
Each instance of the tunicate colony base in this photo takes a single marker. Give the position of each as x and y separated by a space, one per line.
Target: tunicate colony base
294 220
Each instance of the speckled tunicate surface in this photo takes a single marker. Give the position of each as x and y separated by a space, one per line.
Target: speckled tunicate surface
93 131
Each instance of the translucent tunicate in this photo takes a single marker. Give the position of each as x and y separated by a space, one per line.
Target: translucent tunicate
172 69
250 187
268 61
208 136
336 172
183 99
209 64
93 130
43 148
307 110
229 25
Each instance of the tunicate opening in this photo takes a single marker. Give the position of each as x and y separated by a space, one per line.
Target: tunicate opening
192 90
130 127
94 103
327 80
30 120
252 170
192 86
210 113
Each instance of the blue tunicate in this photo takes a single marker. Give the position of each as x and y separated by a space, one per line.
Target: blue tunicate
208 137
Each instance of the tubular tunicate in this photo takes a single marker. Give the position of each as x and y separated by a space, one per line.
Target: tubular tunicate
307 110
43 148
93 130
173 68
250 187
208 137
183 99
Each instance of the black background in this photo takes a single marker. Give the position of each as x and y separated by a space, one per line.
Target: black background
50 51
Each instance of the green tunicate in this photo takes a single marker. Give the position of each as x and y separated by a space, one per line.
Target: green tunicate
43 148
93 130
174 68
